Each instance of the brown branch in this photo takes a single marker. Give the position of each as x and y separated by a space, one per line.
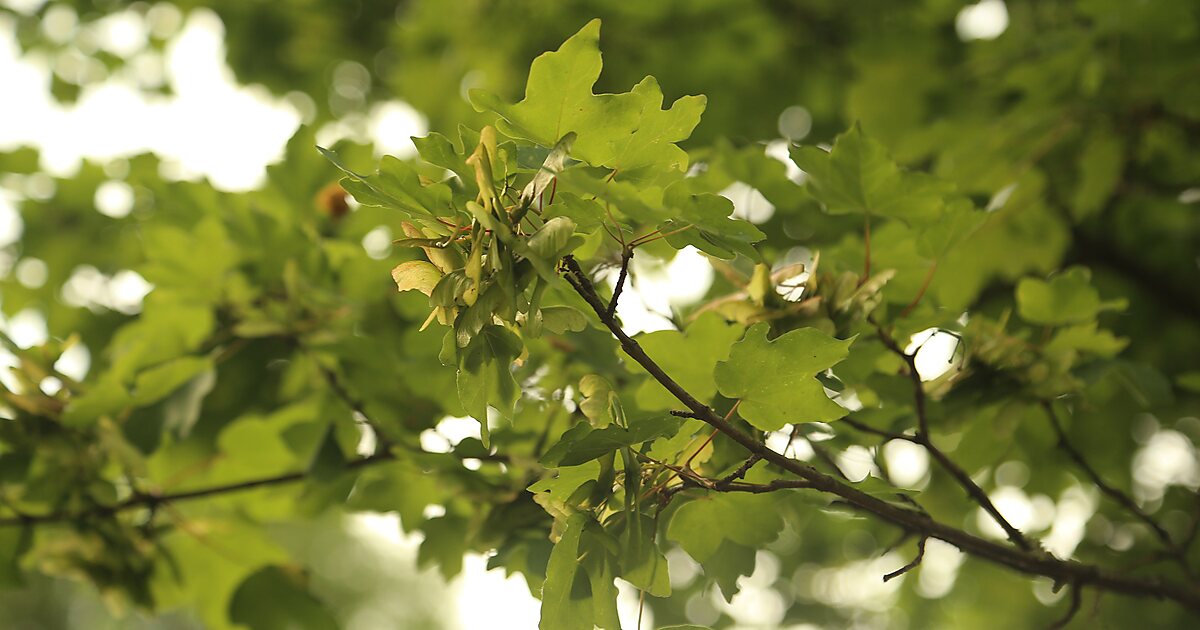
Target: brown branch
1076 600
741 471
1124 500
824 456
153 499
760 488
923 438
1024 561
920 292
866 428
382 441
911 565
626 256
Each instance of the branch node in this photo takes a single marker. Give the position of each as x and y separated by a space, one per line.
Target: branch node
740 472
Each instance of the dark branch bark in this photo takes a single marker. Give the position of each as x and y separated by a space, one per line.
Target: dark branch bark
738 474
923 438
382 442
1024 561
1076 600
626 256
865 428
1124 500
148 500
911 565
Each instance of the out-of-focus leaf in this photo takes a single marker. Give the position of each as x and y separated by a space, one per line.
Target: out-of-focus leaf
1068 298
276 598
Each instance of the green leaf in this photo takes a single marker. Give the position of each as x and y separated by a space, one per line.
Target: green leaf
553 240
14 543
705 222
561 319
395 185
1068 298
689 357
276 598
775 380
416 274
485 376
587 214
567 593
642 563
628 132
600 403
565 480
730 562
702 524
440 151
159 382
223 574
550 168
958 221
603 441
328 461
1086 338
1189 381
444 545
181 409
1100 162
595 547
103 398
857 176
396 487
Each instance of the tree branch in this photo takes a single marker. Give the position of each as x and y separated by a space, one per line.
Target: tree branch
741 471
911 565
865 428
1124 500
923 438
382 442
1076 600
150 500
1024 561
626 256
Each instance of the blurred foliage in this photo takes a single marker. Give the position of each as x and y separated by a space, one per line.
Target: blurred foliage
1031 196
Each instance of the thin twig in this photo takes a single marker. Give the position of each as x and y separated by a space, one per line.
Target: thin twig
824 456
1113 493
920 292
741 471
626 256
762 488
911 565
153 500
865 428
923 438
1076 600
382 442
